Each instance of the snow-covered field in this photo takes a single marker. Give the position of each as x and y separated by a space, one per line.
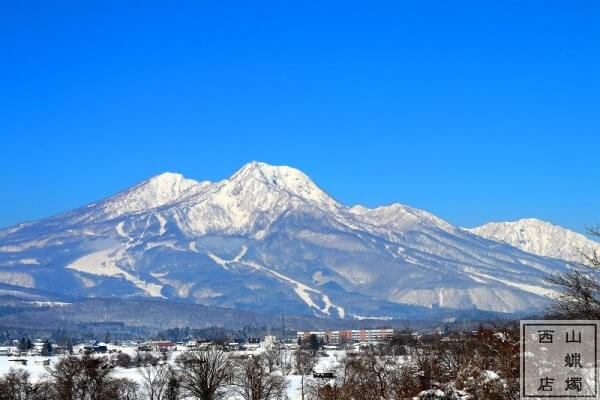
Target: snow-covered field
460 366
34 366
39 372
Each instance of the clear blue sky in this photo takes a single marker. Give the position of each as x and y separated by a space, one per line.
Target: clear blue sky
473 112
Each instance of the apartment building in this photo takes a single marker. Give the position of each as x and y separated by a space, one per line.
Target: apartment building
349 336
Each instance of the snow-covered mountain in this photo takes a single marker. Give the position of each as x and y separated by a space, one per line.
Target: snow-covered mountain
269 239
540 237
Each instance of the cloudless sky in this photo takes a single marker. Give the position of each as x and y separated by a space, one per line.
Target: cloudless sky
472 111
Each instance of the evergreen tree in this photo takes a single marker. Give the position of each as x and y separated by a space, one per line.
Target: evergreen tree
47 348
314 343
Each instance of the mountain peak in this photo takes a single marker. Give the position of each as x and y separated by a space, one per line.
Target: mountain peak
401 217
162 188
151 193
539 237
523 221
166 177
268 173
281 177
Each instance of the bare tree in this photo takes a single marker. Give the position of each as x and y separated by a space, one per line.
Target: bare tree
123 360
80 378
88 378
42 390
156 379
122 389
144 358
272 357
15 385
305 361
204 373
364 377
405 383
252 381
579 287
285 360
380 369
173 390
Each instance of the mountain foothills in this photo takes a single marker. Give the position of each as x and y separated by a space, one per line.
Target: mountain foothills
269 240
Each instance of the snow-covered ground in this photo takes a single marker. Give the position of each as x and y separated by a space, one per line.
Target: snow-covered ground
34 366
39 372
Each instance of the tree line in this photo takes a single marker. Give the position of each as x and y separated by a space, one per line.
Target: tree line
207 374
402 368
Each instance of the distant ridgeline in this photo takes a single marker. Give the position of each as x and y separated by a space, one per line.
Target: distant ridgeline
269 241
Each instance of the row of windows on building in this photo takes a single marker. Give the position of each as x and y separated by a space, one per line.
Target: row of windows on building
353 335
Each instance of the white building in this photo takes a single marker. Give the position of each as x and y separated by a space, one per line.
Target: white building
353 335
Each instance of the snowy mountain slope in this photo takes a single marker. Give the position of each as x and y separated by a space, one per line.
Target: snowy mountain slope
539 237
269 239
